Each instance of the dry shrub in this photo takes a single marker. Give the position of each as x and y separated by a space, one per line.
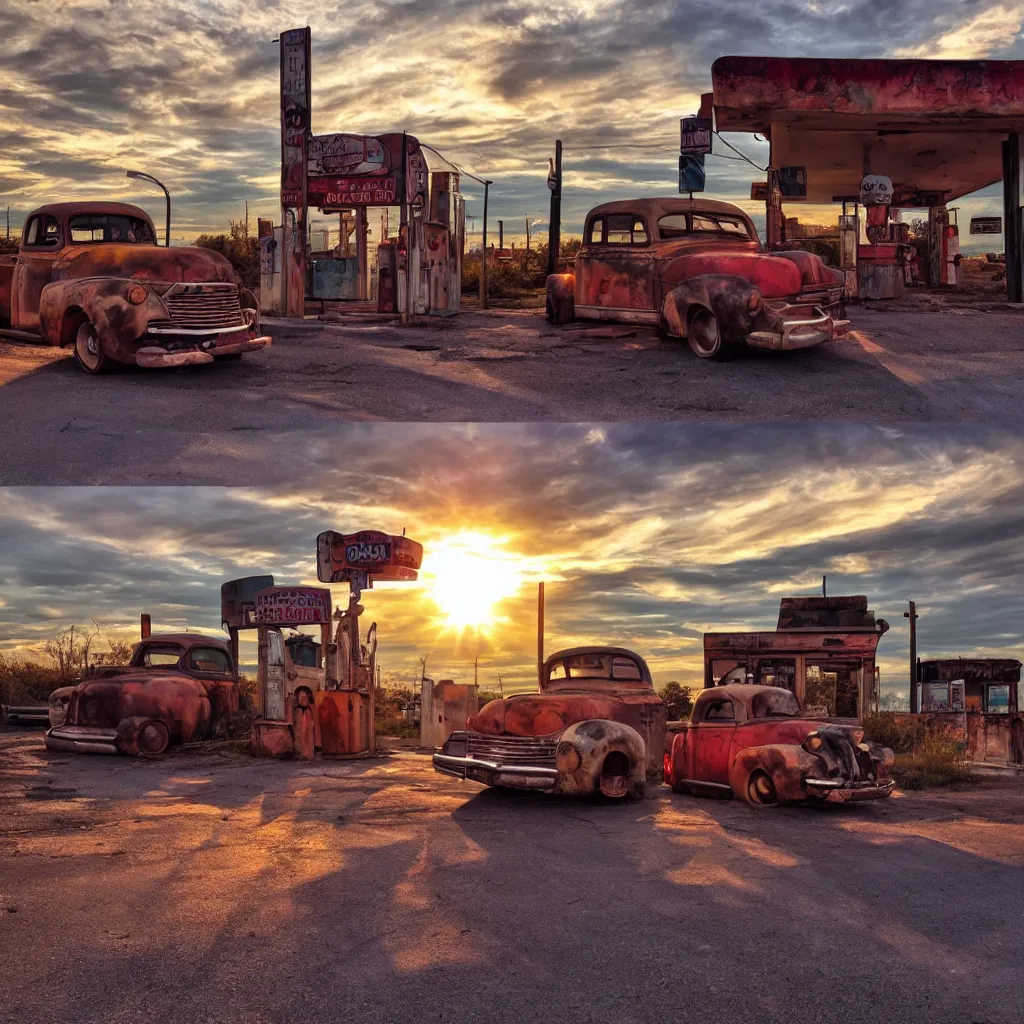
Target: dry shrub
28 683
397 727
926 755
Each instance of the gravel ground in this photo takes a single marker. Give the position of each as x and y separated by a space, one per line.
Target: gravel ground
229 423
208 888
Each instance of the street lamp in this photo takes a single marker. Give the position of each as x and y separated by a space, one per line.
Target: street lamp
149 177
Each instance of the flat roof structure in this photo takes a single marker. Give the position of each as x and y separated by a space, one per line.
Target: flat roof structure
935 127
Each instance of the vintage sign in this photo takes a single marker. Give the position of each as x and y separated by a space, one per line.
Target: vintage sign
346 155
793 182
691 173
292 606
986 225
876 190
759 190
295 103
342 557
695 136
238 600
325 192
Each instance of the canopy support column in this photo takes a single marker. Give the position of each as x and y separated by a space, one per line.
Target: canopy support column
1012 218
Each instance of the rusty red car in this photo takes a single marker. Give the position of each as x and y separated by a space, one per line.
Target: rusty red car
755 743
179 687
695 268
597 726
90 275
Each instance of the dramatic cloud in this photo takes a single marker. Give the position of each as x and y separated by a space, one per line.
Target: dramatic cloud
648 535
188 90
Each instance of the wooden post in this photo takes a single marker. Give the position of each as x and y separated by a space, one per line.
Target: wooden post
540 634
1012 218
555 220
362 255
483 253
915 697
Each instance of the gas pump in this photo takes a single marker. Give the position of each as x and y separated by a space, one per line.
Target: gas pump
345 708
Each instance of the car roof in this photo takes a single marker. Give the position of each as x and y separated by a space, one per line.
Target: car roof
572 652
66 209
655 207
185 640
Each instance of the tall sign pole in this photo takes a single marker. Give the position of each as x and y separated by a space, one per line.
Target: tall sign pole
555 220
915 697
540 634
483 254
295 126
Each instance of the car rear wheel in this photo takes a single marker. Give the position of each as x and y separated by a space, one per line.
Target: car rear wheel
89 350
761 790
704 334
154 739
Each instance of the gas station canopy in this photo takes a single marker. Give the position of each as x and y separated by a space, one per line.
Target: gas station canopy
935 127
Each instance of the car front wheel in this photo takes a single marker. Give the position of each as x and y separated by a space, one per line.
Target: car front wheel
704 334
761 790
89 350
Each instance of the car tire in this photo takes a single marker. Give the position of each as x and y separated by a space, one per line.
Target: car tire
154 738
89 352
704 333
760 790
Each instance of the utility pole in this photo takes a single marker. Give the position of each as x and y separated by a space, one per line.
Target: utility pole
8 222
527 233
483 255
501 689
476 672
915 700
501 234
247 220
540 634
555 219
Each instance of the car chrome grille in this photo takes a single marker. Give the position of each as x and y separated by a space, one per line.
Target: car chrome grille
197 307
525 750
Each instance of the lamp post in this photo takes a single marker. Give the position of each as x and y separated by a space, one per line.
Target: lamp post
159 184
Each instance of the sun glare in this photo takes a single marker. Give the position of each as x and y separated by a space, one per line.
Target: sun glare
470 574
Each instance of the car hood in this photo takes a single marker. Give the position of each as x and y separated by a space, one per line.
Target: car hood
147 263
542 714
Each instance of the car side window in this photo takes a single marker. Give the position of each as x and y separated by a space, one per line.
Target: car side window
595 233
43 232
209 659
625 229
719 709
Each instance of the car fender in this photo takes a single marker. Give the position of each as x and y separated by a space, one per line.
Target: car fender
786 763
734 302
104 301
583 747
561 298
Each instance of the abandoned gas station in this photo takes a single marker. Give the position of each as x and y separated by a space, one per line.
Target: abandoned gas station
416 268
880 136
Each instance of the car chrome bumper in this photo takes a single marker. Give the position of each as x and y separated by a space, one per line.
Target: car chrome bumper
488 773
799 332
838 791
82 739
153 357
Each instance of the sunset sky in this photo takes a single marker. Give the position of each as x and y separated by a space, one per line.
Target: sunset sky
188 91
647 535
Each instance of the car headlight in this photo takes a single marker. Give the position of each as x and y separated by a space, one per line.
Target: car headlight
456 747
813 743
137 295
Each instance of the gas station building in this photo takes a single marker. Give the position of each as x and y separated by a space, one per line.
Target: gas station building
876 135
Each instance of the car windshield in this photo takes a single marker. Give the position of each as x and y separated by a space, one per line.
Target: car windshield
110 227
677 225
777 704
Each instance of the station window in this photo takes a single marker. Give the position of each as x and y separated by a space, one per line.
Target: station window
777 672
834 687
997 700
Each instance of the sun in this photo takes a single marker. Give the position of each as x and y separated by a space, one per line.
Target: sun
469 575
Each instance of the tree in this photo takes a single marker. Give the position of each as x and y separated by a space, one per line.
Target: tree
678 700
69 650
240 249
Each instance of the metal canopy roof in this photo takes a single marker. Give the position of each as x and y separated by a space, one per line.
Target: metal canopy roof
933 126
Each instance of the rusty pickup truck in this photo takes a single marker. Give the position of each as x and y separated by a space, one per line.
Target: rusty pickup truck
755 742
695 268
597 726
90 275
179 687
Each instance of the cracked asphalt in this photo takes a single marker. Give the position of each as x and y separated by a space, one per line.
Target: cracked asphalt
215 888
228 423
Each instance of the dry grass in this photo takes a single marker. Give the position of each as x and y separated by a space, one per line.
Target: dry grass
926 756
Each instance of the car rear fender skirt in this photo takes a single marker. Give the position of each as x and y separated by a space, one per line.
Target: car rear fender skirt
734 302
785 763
583 749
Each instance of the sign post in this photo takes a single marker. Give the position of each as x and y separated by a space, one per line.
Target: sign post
295 124
555 219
